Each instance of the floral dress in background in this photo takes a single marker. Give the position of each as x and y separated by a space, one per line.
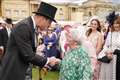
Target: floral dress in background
76 65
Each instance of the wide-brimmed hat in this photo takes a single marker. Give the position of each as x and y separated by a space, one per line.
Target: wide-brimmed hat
47 10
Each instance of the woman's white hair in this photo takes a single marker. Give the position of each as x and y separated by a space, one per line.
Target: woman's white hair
75 35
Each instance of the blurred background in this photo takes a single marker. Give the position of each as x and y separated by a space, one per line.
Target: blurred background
68 10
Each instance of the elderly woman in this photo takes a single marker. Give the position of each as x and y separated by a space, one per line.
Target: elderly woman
76 63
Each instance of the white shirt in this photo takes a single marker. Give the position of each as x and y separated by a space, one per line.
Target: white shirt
34 25
8 31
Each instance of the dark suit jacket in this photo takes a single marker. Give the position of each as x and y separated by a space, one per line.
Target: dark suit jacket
3 38
20 52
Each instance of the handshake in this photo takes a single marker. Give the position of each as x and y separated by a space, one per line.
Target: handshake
53 61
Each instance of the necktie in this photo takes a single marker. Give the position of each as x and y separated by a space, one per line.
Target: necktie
36 37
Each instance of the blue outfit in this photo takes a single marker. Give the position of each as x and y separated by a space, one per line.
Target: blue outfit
53 50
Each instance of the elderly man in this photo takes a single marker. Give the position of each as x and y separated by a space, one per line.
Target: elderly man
22 44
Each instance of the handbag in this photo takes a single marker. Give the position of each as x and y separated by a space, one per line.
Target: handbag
104 59
116 52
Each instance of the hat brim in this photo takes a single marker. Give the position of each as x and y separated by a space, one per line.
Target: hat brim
38 13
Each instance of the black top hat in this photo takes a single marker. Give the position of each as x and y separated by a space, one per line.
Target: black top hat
47 10
8 20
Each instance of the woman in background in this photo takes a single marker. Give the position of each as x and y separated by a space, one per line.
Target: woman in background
50 42
111 71
96 38
62 40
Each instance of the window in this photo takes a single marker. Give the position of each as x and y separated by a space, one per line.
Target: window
73 9
61 11
8 12
23 12
16 12
90 13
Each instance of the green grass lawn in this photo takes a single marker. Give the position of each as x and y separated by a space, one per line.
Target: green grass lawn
51 75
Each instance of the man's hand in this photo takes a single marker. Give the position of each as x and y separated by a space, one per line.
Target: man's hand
53 61
110 55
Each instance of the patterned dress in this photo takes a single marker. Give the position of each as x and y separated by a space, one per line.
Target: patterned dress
76 65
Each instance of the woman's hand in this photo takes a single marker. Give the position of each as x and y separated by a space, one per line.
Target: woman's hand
110 55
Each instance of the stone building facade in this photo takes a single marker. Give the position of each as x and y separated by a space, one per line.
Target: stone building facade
19 9
99 8
0 8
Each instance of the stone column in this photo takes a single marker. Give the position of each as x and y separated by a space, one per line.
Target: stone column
0 8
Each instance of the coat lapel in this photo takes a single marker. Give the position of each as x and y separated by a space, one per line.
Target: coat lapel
6 33
32 33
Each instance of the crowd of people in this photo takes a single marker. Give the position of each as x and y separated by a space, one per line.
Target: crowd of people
78 52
